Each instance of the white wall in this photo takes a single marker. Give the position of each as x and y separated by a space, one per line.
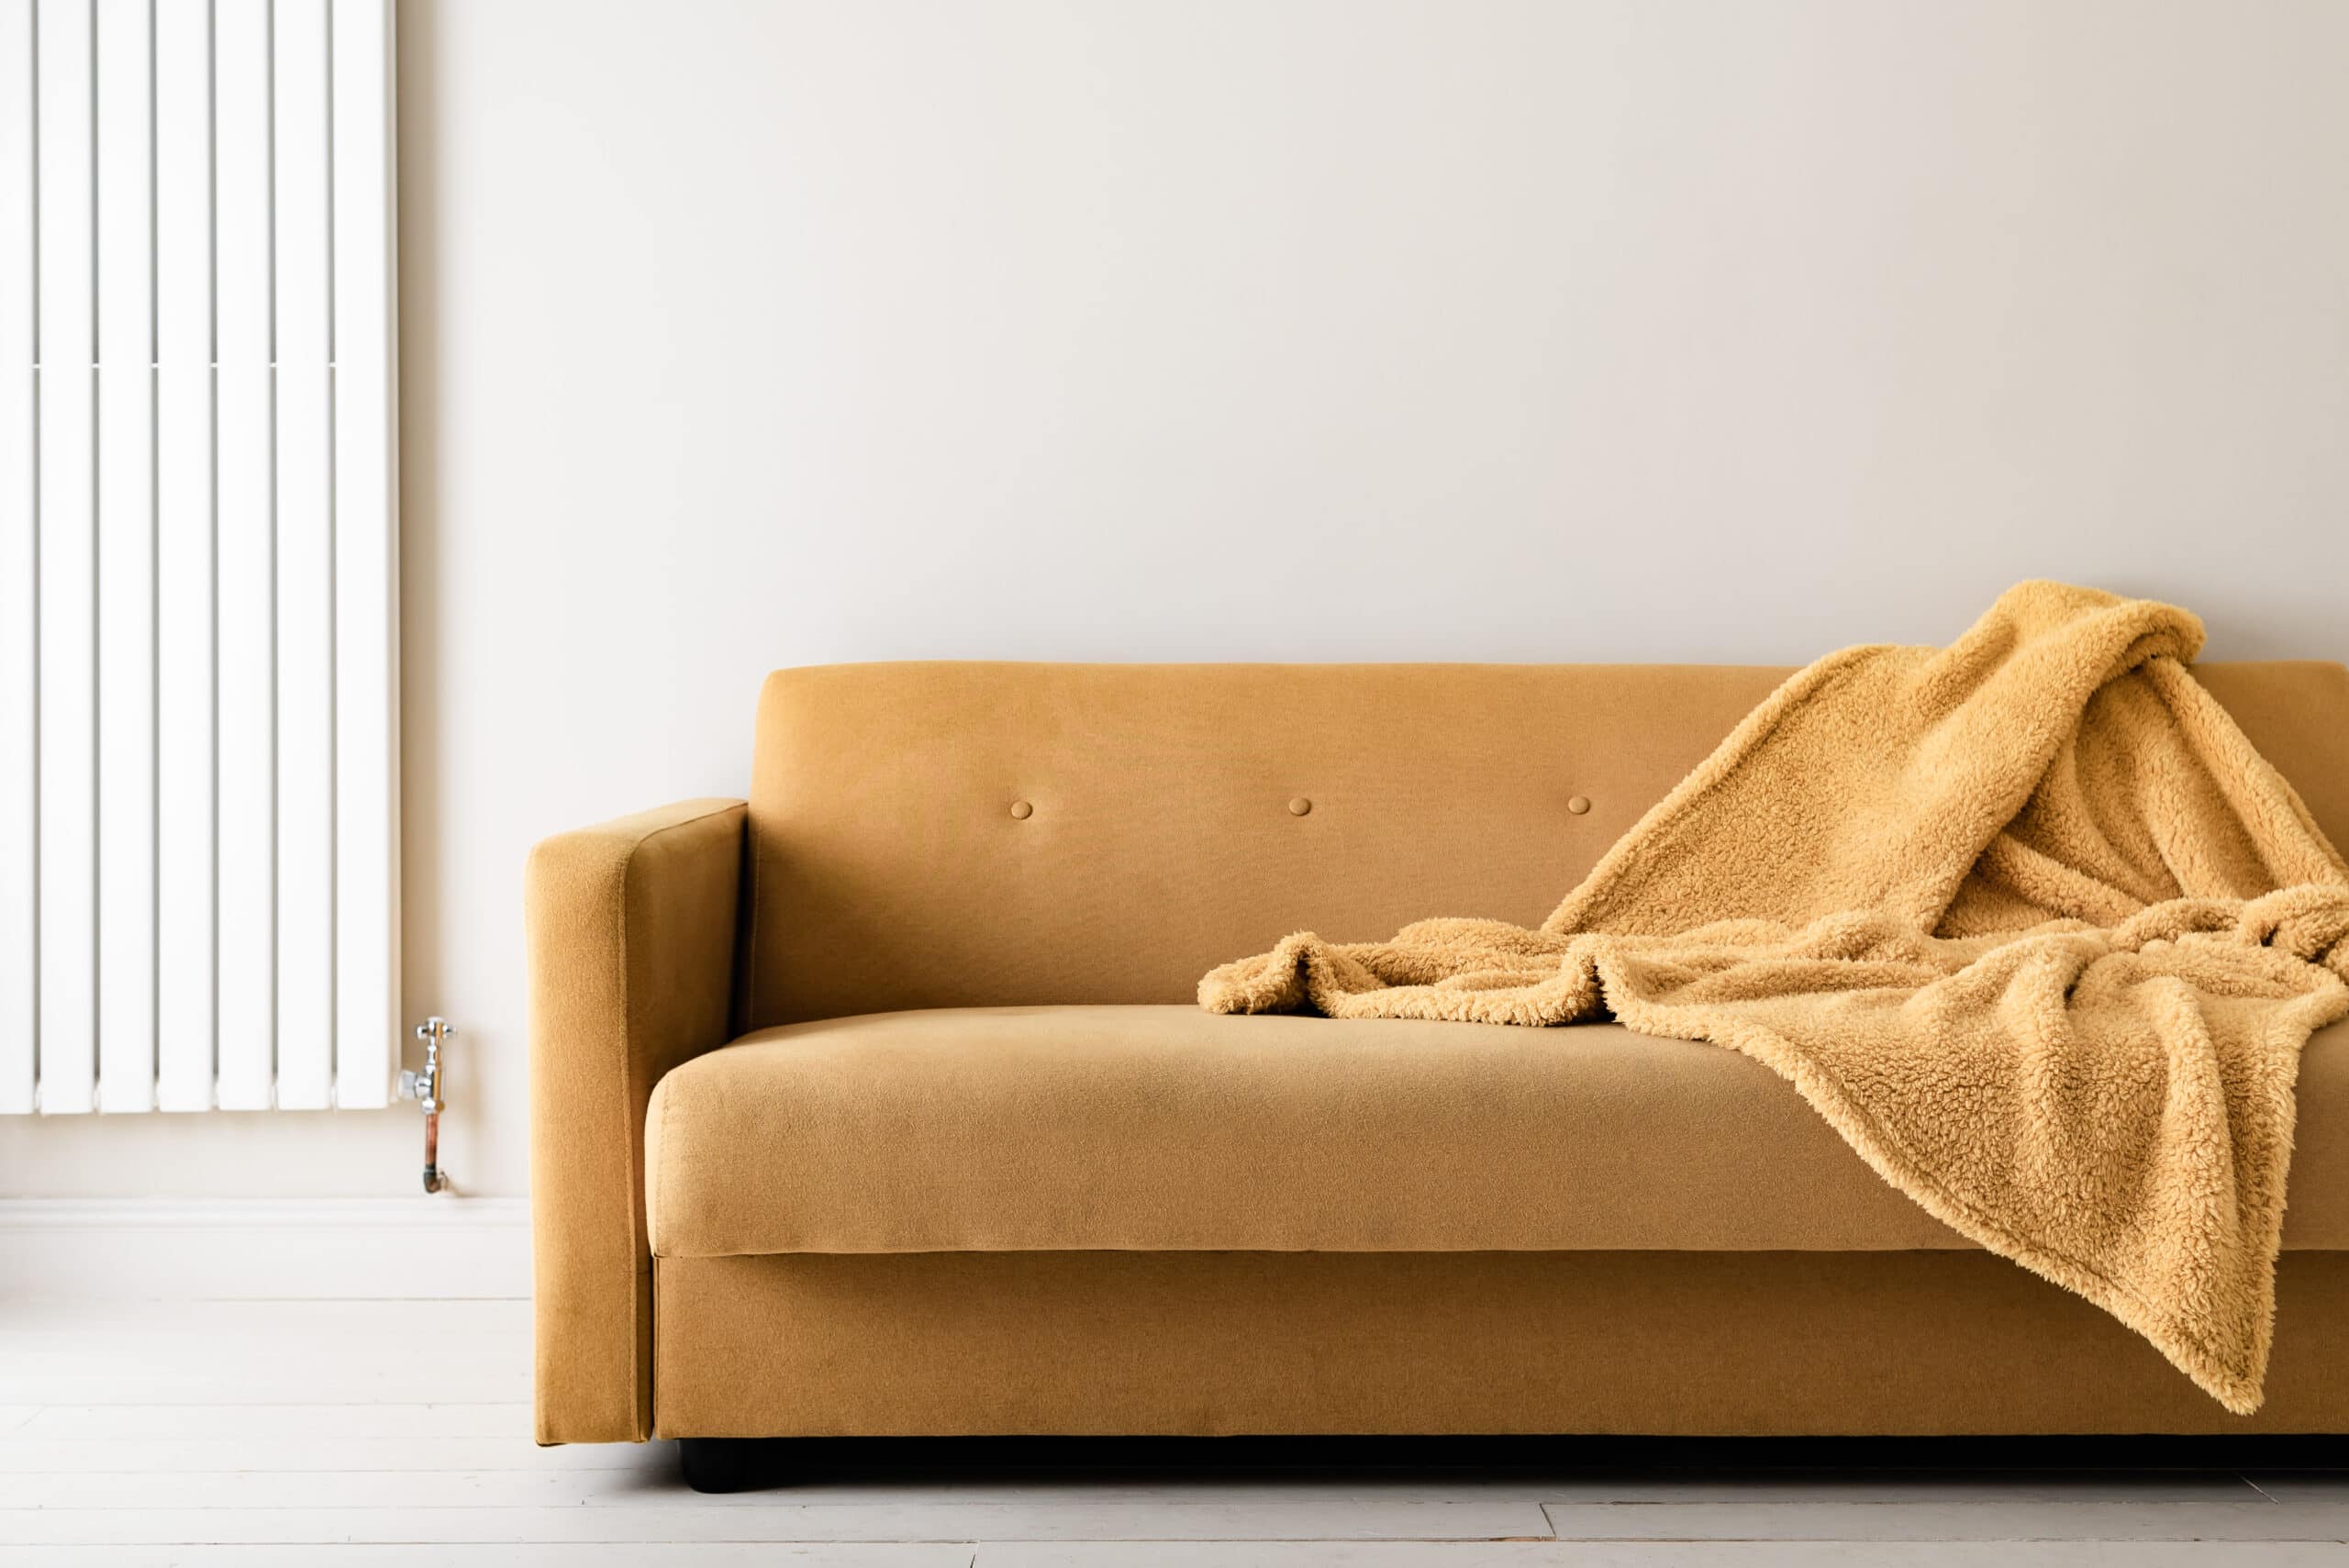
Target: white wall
745 334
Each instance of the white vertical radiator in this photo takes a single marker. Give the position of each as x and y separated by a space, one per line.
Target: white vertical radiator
198 555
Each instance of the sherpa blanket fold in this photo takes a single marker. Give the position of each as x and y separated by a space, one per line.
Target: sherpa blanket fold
2026 919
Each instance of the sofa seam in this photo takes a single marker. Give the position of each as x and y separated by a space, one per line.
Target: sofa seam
639 1304
668 1109
640 1301
748 948
748 957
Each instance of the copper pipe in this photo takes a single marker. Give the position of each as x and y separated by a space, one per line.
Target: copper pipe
433 1180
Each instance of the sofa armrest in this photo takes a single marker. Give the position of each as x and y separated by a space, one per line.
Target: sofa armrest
632 930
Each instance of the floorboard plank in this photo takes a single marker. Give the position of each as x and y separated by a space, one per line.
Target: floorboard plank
265 1386
1218 1554
1971 1487
664 1521
193 1458
272 1353
707 1554
2258 1519
1658 1554
364 1473
111 1423
2302 1485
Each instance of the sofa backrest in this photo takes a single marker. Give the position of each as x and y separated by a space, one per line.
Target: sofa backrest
928 835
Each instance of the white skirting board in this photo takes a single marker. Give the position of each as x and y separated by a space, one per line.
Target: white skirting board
265 1248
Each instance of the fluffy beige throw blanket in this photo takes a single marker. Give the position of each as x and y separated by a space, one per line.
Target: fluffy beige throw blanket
2026 919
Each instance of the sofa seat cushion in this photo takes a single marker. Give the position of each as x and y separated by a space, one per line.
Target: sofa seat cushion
1169 1129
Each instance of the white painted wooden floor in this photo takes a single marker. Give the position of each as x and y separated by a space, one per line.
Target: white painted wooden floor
364 1432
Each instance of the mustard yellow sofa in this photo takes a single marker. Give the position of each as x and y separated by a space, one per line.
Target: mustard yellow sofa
879 1103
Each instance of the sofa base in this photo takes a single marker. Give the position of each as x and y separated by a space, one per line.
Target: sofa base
728 1464
752 1465
1222 1343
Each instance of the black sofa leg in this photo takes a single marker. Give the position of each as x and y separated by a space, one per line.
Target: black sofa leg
730 1464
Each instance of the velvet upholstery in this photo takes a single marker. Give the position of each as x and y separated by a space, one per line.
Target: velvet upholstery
632 942
1208 1344
890 871
1160 838
1150 1129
